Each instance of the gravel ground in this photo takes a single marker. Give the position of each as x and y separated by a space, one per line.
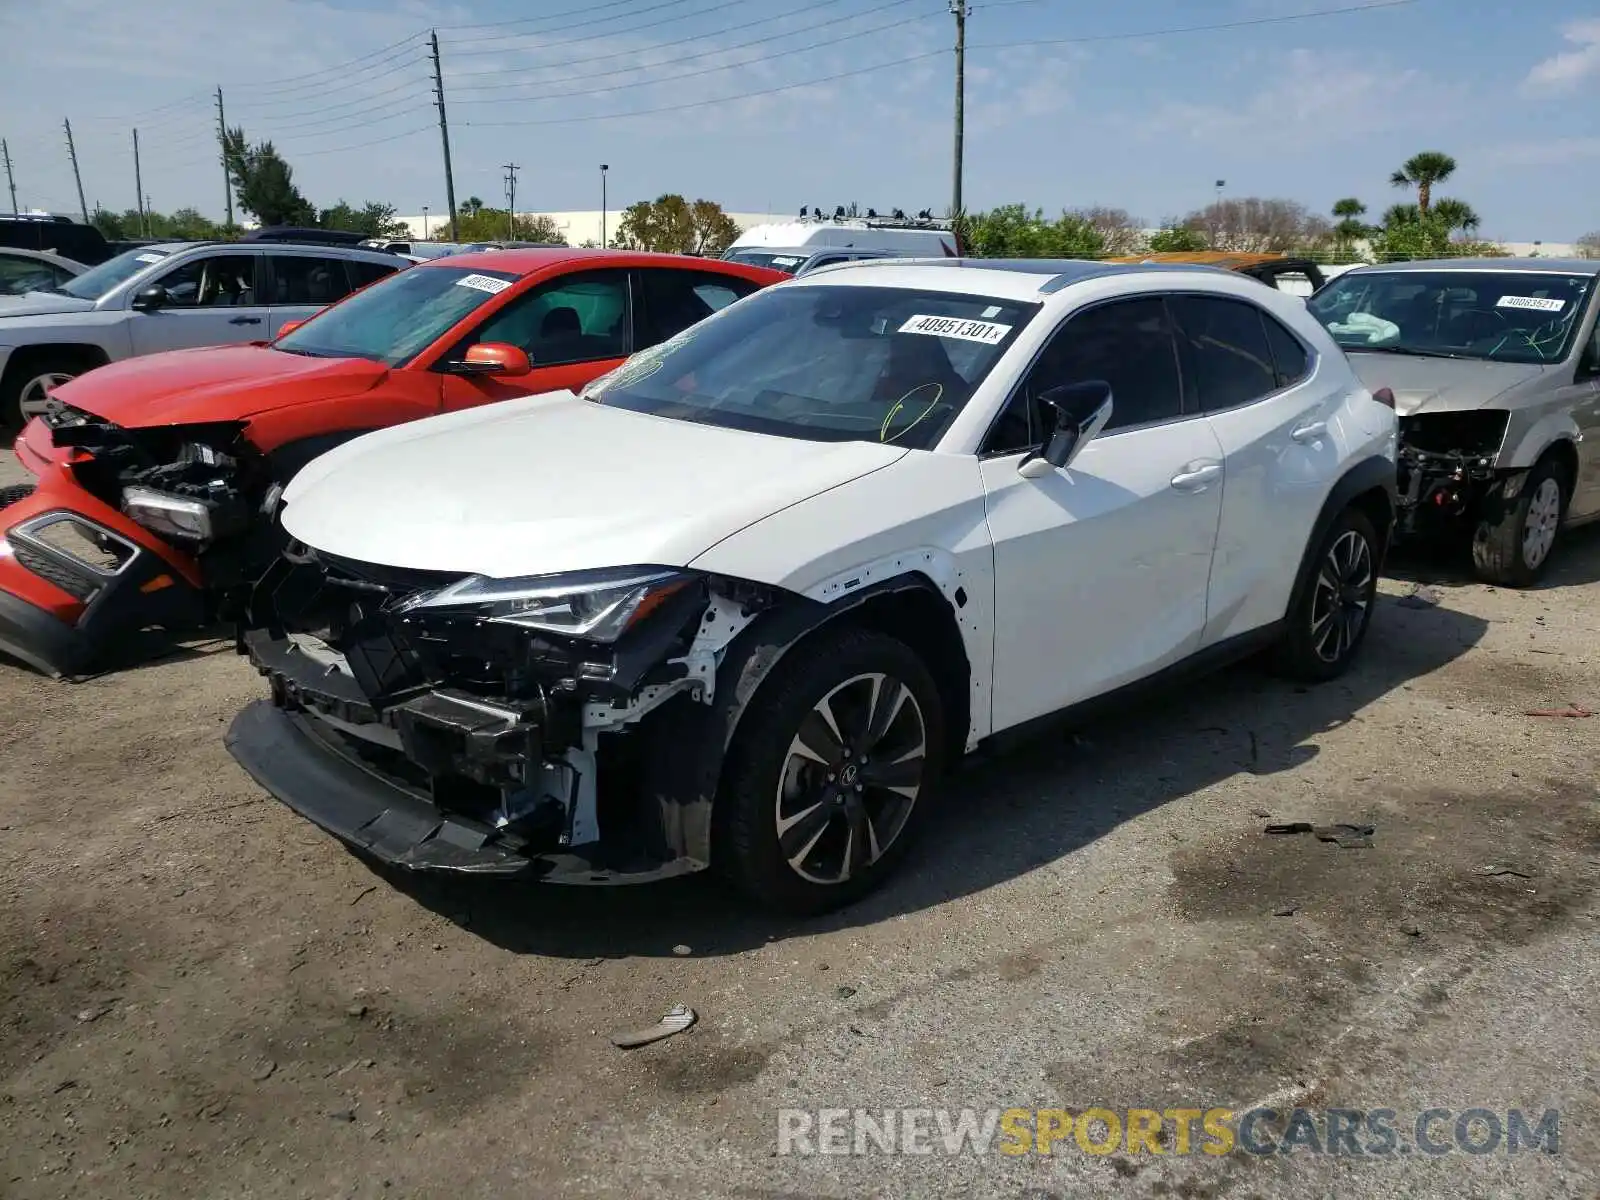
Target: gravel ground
201 995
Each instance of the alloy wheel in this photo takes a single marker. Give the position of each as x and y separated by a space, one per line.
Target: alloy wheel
1343 592
851 778
1539 530
35 393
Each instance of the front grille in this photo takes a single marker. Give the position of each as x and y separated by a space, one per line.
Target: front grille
78 586
395 582
1471 433
16 492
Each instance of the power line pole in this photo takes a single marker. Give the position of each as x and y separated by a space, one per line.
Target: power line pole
72 152
222 145
138 189
444 133
961 12
11 181
511 198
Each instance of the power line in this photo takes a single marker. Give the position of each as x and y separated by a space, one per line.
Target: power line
472 41
749 62
321 92
610 33
571 12
1243 23
342 68
592 75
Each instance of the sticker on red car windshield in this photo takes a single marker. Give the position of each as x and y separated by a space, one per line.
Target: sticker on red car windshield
1541 303
986 332
484 283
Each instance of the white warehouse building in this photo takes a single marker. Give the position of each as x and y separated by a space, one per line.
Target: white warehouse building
576 227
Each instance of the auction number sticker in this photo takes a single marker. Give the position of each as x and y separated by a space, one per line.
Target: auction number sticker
1541 303
484 283
986 332
148 258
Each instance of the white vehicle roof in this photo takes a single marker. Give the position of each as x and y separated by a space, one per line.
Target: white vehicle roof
851 233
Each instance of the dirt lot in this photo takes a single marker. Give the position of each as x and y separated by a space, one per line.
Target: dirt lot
201 995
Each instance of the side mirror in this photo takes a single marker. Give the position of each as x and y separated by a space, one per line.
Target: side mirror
289 327
494 358
151 298
1589 364
1082 410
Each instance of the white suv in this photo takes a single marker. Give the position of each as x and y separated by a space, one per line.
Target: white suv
742 602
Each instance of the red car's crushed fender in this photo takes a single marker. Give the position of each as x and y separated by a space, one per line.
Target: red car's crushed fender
157 476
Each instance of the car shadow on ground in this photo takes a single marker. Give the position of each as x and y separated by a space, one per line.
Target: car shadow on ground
1575 563
1000 817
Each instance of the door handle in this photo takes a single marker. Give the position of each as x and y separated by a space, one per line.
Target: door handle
244 320
1196 476
1310 432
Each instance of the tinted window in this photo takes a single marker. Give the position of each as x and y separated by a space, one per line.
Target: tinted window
1128 344
363 273
1226 347
302 279
671 301
212 281
1288 352
577 318
19 275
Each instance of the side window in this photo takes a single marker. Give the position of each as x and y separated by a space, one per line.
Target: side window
362 272
576 318
303 279
212 281
671 300
1225 344
1127 343
1289 356
19 275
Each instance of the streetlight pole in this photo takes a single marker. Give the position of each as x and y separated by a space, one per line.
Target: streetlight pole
1216 214
604 167
424 222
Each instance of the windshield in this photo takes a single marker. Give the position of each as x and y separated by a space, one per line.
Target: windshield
396 318
828 364
93 284
1502 316
787 261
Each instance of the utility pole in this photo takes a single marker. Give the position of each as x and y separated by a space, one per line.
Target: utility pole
511 198
138 189
444 133
961 12
1216 215
72 152
11 180
222 143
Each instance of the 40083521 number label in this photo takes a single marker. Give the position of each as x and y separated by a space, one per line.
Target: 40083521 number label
986 332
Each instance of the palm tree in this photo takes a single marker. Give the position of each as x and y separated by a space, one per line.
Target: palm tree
1456 214
1350 227
1422 171
471 205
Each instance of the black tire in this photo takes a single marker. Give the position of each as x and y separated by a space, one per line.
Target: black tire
832 667
1329 619
28 365
1504 550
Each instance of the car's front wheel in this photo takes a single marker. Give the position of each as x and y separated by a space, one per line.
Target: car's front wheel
1328 621
29 380
1516 535
830 773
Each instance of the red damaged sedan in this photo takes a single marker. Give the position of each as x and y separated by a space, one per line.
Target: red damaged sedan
158 476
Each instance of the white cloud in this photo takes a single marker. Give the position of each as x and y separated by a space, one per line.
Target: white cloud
1556 152
1565 71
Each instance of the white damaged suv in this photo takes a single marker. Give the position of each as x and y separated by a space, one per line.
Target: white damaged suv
744 601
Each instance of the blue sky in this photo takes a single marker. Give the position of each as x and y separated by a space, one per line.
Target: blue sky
1311 109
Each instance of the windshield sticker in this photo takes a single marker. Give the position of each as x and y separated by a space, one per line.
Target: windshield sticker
483 283
992 311
147 258
1541 303
986 332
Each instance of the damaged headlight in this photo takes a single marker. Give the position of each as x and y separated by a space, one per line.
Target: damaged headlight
174 516
595 605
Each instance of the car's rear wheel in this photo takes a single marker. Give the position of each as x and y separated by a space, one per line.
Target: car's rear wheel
831 772
1516 536
1329 619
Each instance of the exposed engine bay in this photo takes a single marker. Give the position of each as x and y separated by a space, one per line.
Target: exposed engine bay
1446 464
512 739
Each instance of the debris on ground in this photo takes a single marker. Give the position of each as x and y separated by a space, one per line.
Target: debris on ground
263 1070
682 951
1420 596
95 1011
1411 929
1571 710
1494 871
1288 910
678 1018
844 992
1347 837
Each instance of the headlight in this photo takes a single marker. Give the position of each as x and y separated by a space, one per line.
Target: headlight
161 513
595 605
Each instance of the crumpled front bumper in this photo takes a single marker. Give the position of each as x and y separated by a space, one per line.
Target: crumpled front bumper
314 745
